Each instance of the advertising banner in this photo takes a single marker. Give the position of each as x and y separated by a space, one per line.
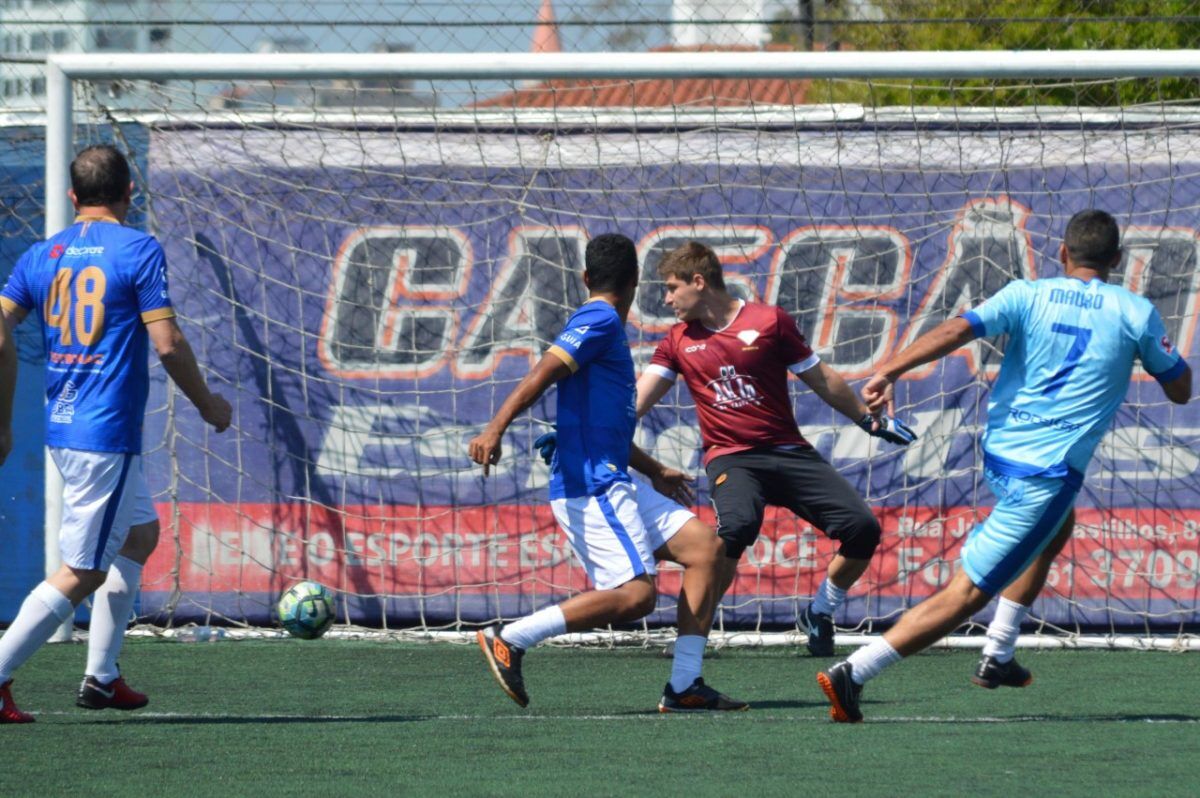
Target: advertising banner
368 310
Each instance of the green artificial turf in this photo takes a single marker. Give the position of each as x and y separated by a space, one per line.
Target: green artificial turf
330 717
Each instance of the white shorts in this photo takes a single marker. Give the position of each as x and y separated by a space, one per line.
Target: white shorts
616 533
104 494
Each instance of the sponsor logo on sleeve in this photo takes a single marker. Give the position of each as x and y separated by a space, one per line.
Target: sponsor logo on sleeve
56 251
1166 345
574 336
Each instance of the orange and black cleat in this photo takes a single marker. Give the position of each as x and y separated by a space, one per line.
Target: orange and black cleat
505 663
95 694
843 693
8 710
699 697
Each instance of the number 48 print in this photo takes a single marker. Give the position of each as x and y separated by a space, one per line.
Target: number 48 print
87 318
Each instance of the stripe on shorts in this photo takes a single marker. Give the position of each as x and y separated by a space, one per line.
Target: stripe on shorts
1046 526
618 528
110 512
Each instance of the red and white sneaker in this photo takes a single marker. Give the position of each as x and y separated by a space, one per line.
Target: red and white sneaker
95 694
8 710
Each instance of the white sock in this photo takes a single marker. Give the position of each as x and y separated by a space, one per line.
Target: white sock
871 659
111 608
689 658
43 611
1002 632
533 629
829 597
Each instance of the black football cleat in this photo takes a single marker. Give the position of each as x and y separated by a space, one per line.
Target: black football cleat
991 673
505 663
95 694
819 628
699 697
843 693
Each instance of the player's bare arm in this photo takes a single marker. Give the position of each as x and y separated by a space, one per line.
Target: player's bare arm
8 384
177 358
12 316
650 389
833 390
1179 390
938 342
484 448
670 482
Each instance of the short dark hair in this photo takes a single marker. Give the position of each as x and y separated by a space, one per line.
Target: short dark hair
1093 239
610 262
692 258
99 175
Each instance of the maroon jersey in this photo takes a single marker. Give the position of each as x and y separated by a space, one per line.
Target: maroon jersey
738 377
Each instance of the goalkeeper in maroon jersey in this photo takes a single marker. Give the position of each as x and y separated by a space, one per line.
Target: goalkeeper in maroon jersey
735 357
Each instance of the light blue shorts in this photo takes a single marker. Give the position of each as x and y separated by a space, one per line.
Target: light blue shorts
1029 512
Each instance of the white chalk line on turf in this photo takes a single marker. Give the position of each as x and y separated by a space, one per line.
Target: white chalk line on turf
648 716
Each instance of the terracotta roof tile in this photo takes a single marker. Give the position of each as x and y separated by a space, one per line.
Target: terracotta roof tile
657 93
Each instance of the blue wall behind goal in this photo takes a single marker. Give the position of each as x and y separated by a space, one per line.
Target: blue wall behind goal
22 477
22 155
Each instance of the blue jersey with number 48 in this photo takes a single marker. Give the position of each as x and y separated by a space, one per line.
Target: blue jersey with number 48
94 286
1066 368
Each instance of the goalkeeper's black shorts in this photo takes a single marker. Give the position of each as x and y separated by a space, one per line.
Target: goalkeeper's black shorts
742 484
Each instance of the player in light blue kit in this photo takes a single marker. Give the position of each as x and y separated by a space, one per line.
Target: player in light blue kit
1072 344
99 290
617 527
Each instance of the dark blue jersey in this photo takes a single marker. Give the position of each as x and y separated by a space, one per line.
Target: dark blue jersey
596 404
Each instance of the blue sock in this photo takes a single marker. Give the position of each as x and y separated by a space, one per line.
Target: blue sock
689 658
829 597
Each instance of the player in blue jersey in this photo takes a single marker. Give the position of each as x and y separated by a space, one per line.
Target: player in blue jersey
1072 344
99 290
617 527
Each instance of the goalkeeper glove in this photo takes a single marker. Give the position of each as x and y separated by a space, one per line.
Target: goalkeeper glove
892 430
546 444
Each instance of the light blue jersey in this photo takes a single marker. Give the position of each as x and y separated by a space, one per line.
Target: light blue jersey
596 404
1066 368
94 287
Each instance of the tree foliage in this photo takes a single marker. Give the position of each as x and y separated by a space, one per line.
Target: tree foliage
1012 25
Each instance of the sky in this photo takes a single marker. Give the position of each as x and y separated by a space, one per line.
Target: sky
426 26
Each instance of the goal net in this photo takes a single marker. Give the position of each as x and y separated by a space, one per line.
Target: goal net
367 267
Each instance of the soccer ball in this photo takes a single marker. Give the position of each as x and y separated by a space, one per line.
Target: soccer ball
306 610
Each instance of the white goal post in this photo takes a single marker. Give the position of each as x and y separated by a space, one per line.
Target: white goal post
872 223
